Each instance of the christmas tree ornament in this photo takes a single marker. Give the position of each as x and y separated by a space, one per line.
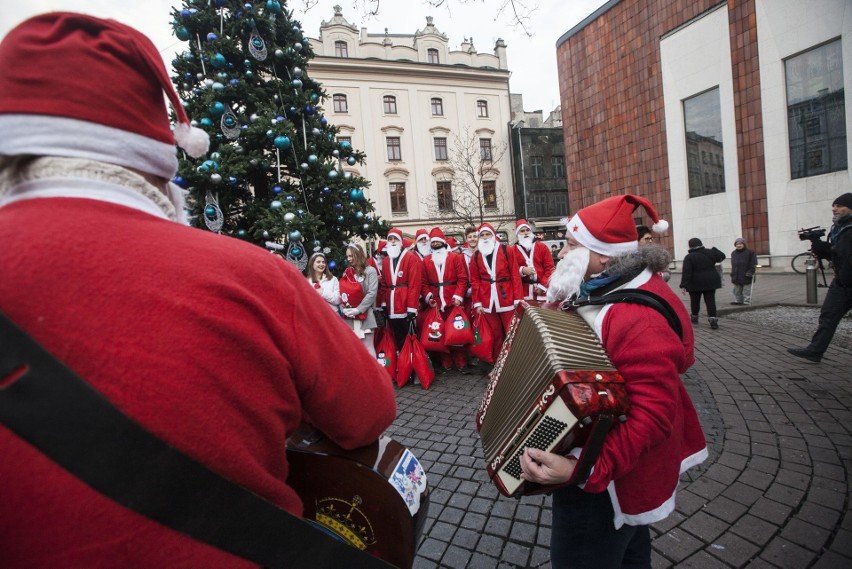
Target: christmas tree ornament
218 87
314 97
241 233
216 178
182 34
232 181
289 216
218 60
265 234
331 264
212 37
279 53
297 46
340 218
295 235
332 174
335 153
323 120
312 159
347 175
304 165
351 161
316 132
282 142
310 110
296 83
326 191
217 108
296 254
213 217
230 126
273 6
276 204
300 213
256 45
276 189
206 121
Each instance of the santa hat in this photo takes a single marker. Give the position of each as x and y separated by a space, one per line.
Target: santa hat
395 233
420 233
452 242
89 88
437 235
521 223
607 227
486 227
381 246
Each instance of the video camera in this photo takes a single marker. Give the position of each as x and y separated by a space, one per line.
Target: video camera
811 234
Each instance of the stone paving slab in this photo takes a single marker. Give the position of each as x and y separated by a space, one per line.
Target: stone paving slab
774 491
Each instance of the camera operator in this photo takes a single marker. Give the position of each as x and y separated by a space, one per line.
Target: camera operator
838 300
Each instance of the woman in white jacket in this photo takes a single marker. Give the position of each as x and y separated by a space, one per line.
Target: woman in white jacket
322 280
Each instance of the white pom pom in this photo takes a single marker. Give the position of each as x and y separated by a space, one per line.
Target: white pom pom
192 139
660 227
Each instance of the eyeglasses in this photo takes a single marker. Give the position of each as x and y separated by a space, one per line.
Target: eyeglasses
647 239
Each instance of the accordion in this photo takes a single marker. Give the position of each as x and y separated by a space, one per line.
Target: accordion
553 387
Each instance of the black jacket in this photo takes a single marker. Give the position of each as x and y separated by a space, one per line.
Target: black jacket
743 263
840 238
699 269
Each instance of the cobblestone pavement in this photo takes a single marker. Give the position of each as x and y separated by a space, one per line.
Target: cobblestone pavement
774 492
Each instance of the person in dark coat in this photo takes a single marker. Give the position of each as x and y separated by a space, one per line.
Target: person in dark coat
838 299
701 278
743 265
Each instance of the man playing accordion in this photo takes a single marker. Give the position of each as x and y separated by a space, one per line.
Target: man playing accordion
602 521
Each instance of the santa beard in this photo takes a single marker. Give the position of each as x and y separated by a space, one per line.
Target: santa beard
526 241
569 275
394 250
439 256
486 246
424 248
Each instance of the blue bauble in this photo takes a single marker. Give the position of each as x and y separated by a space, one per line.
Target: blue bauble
290 198
210 212
338 206
276 204
182 34
326 191
180 181
346 145
218 87
279 118
340 218
212 37
359 215
314 97
218 60
248 6
332 265
297 251
241 232
185 13
232 181
276 189
300 213
332 174
310 110
220 3
234 81
351 161
273 6
295 235
296 83
312 159
282 142
187 76
293 112
217 109
324 121
248 74
354 194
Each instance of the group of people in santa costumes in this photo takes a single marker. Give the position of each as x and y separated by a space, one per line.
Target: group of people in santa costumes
486 277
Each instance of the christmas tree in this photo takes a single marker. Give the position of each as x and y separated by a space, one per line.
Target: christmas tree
275 174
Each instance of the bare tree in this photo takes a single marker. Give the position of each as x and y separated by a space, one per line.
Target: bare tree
476 195
518 12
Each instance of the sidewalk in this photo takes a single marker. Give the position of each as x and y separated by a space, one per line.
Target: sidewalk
773 493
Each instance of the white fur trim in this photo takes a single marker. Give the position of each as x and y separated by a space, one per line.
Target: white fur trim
660 227
578 230
44 135
192 139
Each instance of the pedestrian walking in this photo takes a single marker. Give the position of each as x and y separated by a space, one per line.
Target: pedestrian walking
743 266
701 279
838 299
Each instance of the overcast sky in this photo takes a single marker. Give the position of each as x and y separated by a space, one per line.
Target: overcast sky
532 61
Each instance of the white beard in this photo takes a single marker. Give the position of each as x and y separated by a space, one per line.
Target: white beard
393 250
439 256
526 241
424 248
486 246
569 275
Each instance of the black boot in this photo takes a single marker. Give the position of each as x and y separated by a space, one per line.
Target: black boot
714 322
694 318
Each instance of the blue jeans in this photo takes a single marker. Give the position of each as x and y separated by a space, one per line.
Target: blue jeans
584 537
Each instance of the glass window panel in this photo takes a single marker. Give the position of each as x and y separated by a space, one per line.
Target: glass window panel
440 149
394 148
703 124
397 195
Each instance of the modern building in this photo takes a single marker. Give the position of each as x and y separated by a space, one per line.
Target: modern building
431 120
731 116
538 165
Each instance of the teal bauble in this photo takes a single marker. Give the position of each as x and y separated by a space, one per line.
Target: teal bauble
332 174
340 219
218 60
351 161
312 159
296 83
217 109
282 142
210 212
314 97
295 235
218 87
206 121
273 6
297 251
241 232
359 215
345 145
182 34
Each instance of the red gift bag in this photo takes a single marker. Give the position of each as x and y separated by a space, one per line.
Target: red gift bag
351 293
432 332
422 365
457 328
386 351
483 340
403 362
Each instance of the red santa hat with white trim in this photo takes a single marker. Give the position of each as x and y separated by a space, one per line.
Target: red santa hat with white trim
608 228
520 224
420 233
487 227
395 233
437 234
89 88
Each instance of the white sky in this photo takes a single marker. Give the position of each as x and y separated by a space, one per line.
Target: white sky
532 61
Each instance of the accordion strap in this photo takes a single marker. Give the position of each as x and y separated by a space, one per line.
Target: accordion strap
46 404
633 296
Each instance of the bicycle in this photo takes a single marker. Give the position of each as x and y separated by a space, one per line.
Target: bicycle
799 262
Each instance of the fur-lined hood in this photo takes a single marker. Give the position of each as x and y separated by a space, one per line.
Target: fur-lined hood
653 257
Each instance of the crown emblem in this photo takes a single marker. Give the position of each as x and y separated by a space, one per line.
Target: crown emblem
346 520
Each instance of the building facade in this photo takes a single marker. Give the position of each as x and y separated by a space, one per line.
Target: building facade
432 122
730 116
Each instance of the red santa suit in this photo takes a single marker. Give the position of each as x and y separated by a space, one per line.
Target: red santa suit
496 288
540 258
401 282
445 282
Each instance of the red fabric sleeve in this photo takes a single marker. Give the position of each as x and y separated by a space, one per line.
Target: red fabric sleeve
544 260
415 280
475 281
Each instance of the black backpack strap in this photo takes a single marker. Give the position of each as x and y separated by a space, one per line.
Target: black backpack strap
635 296
54 410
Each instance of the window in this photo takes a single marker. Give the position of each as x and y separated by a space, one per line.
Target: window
340 103
437 107
445 196
341 49
816 111
440 149
557 166
489 193
390 104
397 195
536 167
703 124
482 108
344 139
485 149
432 56
394 148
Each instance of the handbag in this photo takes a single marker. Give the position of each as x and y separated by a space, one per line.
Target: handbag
386 351
432 331
457 328
421 364
483 340
351 293
403 362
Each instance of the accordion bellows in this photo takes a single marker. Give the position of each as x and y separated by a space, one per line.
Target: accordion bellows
550 384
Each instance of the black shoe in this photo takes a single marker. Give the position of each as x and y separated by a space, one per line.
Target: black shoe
464 371
694 319
805 354
738 303
714 323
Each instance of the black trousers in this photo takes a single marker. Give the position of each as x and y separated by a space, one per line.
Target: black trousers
400 327
709 302
838 301
584 537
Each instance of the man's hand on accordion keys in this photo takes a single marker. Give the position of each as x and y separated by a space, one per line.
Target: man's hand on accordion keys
546 467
